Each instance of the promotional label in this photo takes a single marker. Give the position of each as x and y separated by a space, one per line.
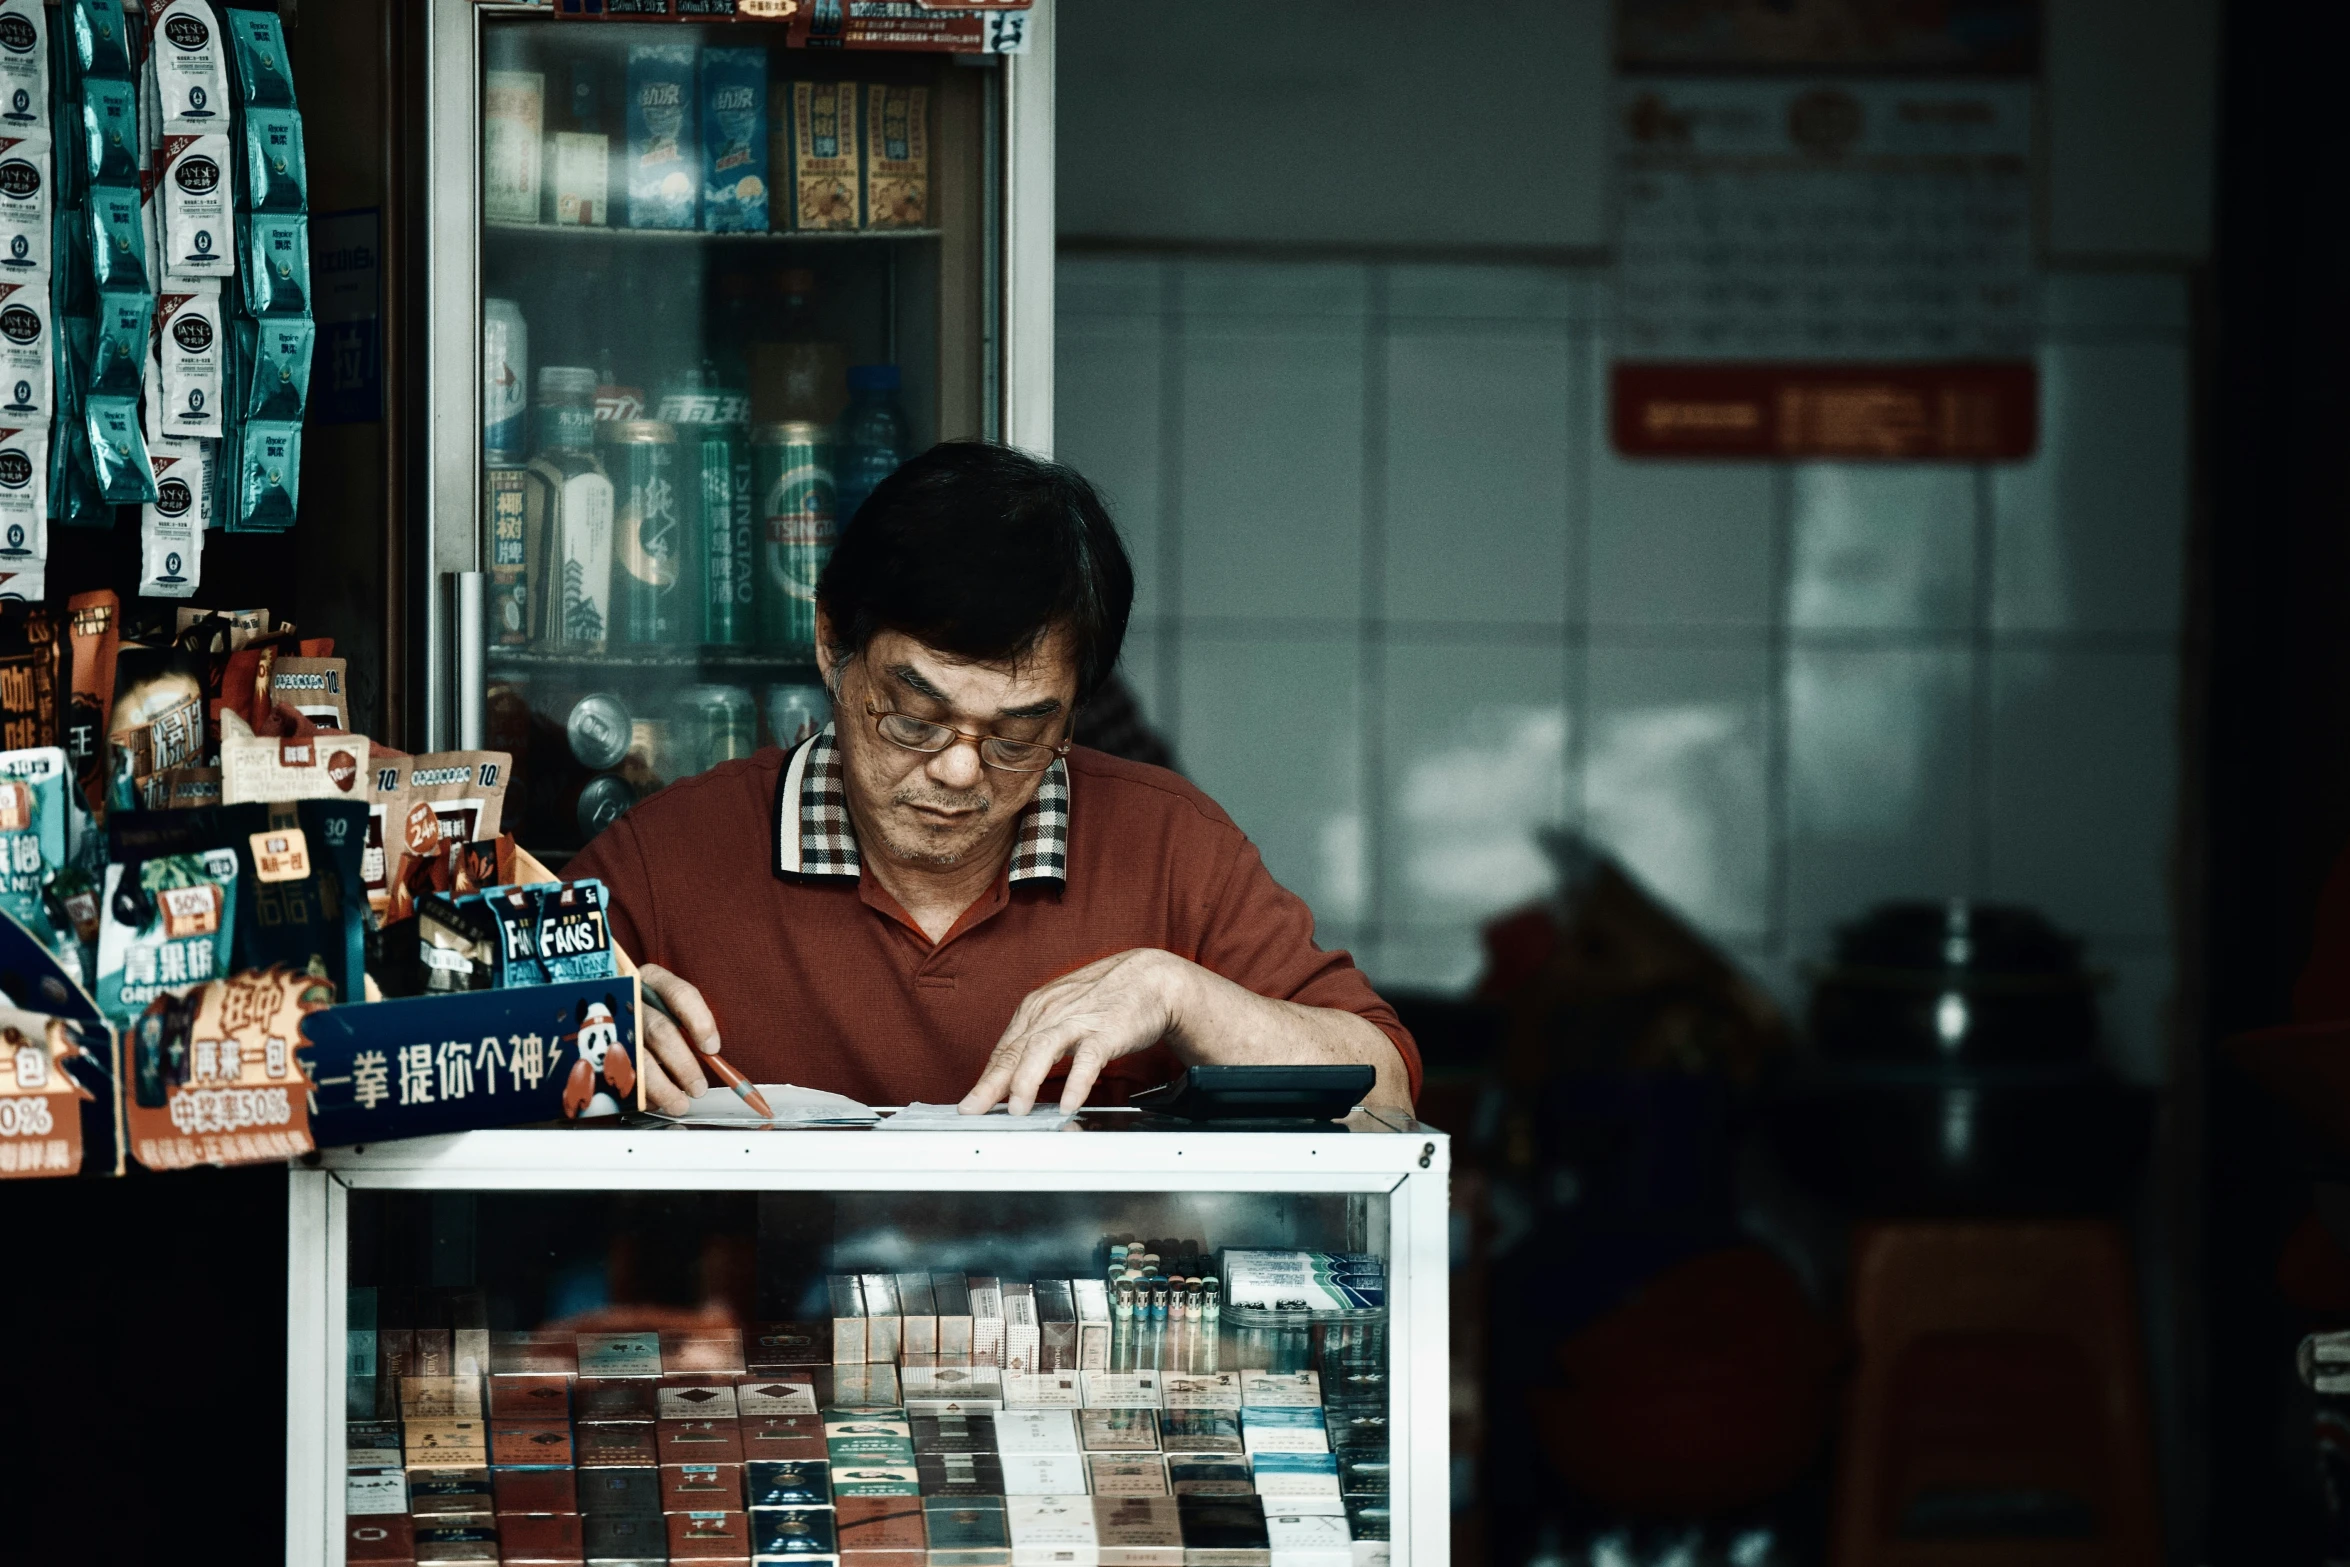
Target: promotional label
233 1089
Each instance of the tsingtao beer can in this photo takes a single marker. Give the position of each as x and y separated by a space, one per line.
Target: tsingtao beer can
648 537
793 468
715 481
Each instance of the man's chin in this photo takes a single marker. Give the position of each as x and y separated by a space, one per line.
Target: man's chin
943 850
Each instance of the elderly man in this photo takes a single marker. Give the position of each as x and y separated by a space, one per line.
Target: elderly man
941 896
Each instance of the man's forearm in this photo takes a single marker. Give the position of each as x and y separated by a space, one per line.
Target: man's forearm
1218 1023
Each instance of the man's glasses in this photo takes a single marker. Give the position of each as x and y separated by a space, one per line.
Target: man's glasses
909 733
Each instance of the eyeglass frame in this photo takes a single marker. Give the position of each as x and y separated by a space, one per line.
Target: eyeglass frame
978 741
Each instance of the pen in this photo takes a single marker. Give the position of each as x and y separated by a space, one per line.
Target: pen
726 1071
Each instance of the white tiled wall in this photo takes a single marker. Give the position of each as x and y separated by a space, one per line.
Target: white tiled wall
1401 608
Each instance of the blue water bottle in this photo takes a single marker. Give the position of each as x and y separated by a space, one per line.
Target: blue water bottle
872 437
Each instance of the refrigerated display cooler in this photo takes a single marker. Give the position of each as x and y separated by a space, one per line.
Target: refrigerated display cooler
504 1344
689 289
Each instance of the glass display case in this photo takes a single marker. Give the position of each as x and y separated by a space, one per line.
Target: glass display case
700 286
1104 1347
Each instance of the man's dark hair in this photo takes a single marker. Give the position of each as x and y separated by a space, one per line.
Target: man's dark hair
980 550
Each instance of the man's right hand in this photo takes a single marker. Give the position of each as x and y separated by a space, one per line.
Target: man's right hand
671 1063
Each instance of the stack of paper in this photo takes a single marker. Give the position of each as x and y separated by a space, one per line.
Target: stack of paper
793 1107
946 1118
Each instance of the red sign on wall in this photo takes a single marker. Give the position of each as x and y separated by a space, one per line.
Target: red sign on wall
1965 412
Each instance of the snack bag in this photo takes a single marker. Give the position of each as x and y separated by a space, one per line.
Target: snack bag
34 785
165 928
189 69
304 762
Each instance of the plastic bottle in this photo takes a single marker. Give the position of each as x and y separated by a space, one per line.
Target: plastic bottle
872 437
795 370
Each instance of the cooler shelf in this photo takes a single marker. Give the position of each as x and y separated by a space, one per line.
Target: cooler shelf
575 231
653 658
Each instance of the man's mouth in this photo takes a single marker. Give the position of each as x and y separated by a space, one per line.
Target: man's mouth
944 815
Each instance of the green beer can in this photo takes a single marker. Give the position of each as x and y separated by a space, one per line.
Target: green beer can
721 513
648 532
792 462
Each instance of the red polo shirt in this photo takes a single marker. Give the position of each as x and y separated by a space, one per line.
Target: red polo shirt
745 881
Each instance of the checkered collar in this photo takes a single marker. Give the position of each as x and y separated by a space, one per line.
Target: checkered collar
814 837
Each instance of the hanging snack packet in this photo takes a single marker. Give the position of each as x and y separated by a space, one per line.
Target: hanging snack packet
110 130
158 716
26 358
93 628
118 449
303 762
24 499
165 927
118 353
24 203
275 352
277 263
33 788
313 687
101 45
388 836
464 790
456 943
572 939
31 676
171 526
277 178
24 67
299 899
268 478
259 47
187 331
118 238
189 71
195 207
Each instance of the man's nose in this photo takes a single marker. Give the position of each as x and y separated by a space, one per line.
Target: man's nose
956 767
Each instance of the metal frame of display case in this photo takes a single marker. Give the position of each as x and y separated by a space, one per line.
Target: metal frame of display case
1404 1162
1016 330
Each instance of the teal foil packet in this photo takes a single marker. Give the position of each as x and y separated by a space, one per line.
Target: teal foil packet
274 353
276 178
269 464
118 450
166 927
101 44
69 281
118 349
118 238
33 786
258 47
277 263
110 130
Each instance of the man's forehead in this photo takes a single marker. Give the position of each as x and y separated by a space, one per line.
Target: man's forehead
1047 672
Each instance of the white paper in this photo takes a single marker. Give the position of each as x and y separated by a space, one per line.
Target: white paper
946 1118
793 1106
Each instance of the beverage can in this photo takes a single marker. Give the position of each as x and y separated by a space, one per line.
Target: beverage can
598 730
715 481
792 463
604 801
505 381
720 725
794 712
514 558
641 456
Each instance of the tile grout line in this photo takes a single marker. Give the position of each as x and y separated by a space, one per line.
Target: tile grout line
1979 695
1170 563
1371 649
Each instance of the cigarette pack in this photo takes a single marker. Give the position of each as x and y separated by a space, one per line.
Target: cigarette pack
960 1474
1092 1301
1308 1540
803 1482
917 1315
1287 1476
450 1497
371 1444
609 1446
699 1442
688 1488
620 1493
1201 1431
881 1523
951 1389
619 1354
359 1308
698 1399
1222 1532
972 1433
783 1437
530 1444
702 1352
1372 1553
1280 1390
760 1398
1050 1531
1020 1328
967 1531
1206 1474
369 1493
709 1536
1127 1474
1332 1506
466 1542
625 1540
543 1541
897 156
1119 1430
614 1399
445 1444
883 1425
987 1319
881 1316
1358 1430
1036 1431
1138 1531
532 1354
875 1480
1201 1389
579 176
469 1320
1122 1390
870 1386
529 1397
440 1398
952 1296
534 1491
817 150
849 1338
1362 1474
1369 1518
1044 1474
780 1346
384 1538
1056 1325
1043 1390
1283 1431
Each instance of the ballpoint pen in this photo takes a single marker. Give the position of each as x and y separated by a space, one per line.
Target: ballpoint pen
721 1068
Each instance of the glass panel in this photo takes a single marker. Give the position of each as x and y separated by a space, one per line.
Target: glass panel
726 287
520 1357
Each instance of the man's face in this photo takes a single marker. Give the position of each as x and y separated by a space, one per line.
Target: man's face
947 808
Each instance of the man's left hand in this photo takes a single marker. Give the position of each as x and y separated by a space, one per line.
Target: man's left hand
1093 1016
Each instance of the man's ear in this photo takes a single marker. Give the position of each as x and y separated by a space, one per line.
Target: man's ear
828 662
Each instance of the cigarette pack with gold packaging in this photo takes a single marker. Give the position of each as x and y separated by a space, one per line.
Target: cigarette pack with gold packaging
896 156
1208 1474
699 1441
614 1399
1221 1531
1051 1531
689 1488
1036 1431
917 1315
530 1444
709 1537
781 1346
1280 1390
532 1355
375 1492
548 1540
454 1496
794 1531
1044 1474
882 1326
452 1542
783 1437
815 148
445 1444
1122 1389
870 1386
1119 1430
702 1352
987 1319
384 1539
762 1398
1043 1390
1138 1531
698 1399
1287 1477
952 1296
967 1531
602 1446
625 1540
1056 1325
953 1433
951 1389
534 1491
1308 1540
619 1354
1200 1431
1127 1474
529 1397
790 1483
1201 1389
436 1352
440 1398
850 1340
620 1493
867 1479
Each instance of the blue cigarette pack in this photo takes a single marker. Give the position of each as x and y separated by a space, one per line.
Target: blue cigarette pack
664 158
734 140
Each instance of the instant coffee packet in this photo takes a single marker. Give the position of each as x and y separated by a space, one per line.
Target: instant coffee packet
188 339
195 234
26 245
277 176
35 786
257 45
24 68
297 761
189 66
313 687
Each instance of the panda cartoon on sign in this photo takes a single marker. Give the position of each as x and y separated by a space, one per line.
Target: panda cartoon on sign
601 1055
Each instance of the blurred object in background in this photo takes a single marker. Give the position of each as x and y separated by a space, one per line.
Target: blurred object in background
1956 1070
1111 720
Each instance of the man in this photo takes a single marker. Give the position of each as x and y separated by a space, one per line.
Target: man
940 897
